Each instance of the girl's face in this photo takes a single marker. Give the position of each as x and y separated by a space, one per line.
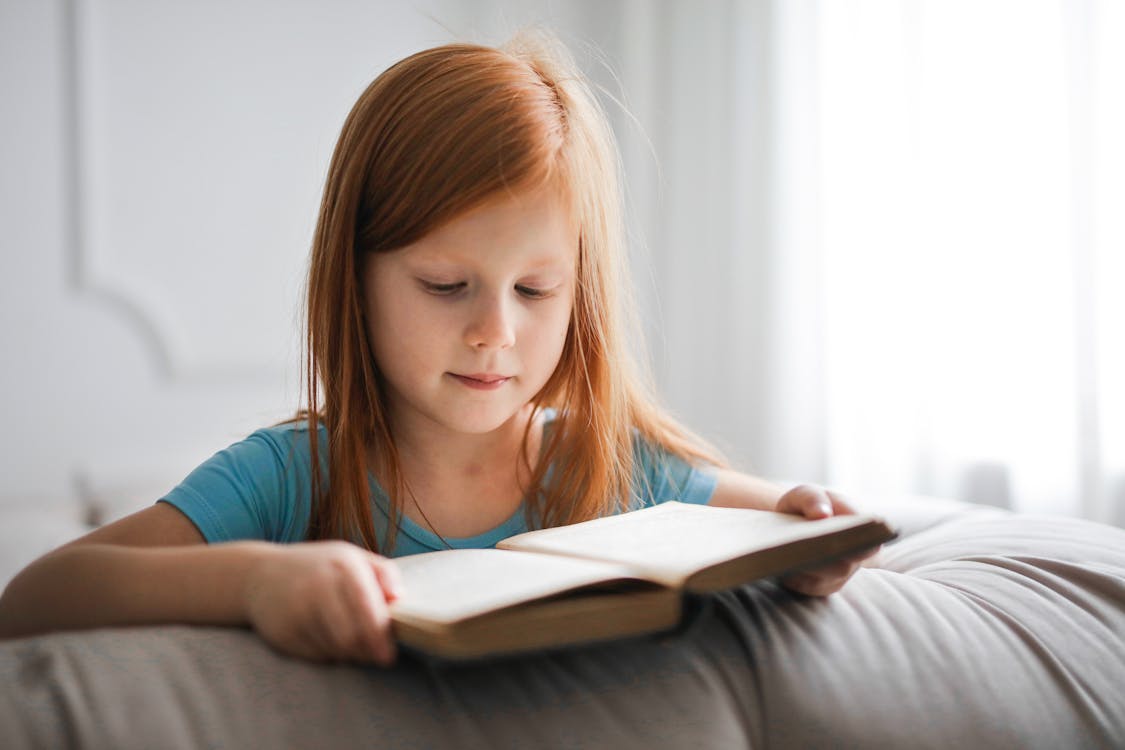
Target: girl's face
468 323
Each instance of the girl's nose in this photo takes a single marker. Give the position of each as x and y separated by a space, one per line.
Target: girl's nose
491 326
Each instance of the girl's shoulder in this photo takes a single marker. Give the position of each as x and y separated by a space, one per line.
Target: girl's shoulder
256 488
291 426
281 444
288 432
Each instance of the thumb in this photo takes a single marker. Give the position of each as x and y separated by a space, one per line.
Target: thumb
807 500
388 575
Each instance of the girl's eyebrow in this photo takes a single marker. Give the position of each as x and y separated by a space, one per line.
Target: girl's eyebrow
546 262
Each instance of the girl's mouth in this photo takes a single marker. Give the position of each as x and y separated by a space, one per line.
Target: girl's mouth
482 381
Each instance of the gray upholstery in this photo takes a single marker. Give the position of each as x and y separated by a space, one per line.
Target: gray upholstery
980 629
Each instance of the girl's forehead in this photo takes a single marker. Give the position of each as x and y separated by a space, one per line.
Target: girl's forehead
470 258
537 228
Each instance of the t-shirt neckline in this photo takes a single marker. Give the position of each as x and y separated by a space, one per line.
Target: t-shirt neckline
515 523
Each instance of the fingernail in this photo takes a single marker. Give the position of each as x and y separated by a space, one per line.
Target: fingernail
824 508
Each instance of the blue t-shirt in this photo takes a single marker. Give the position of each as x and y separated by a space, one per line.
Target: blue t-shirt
261 488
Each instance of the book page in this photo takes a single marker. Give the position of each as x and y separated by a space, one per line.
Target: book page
455 584
670 541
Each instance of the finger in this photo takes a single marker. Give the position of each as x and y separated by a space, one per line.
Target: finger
840 505
312 642
841 568
812 584
358 642
814 502
387 587
371 618
340 631
804 583
821 580
293 631
372 610
298 639
805 500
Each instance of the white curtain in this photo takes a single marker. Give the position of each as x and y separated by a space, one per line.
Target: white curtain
888 240
957 211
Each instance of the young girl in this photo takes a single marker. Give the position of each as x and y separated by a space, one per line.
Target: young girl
468 377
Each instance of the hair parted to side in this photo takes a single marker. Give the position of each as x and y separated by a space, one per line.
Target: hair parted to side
435 135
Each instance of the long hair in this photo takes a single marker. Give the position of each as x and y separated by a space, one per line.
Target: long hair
438 134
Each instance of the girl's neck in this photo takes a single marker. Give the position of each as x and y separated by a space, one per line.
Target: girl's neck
429 449
464 485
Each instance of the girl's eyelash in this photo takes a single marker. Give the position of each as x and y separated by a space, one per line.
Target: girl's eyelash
531 292
447 289
442 288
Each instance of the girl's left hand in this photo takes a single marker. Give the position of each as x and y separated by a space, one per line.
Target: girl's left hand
814 502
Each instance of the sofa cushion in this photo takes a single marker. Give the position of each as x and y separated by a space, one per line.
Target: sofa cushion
984 629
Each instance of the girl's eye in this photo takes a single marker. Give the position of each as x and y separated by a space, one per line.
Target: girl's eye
532 292
434 288
445 290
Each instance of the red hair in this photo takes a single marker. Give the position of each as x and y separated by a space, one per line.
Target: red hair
435 135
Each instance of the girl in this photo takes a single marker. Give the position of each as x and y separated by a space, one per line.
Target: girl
467 378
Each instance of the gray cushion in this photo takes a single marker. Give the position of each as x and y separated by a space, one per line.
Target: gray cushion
981 630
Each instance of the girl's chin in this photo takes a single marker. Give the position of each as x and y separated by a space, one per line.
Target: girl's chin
479 426
476 414
482 422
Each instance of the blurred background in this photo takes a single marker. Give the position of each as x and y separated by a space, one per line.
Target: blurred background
878 245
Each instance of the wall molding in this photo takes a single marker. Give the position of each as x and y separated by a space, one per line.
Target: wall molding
91 270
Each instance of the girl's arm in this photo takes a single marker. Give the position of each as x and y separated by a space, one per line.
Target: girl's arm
736 490
319 600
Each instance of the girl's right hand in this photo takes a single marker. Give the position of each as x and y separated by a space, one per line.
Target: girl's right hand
325 601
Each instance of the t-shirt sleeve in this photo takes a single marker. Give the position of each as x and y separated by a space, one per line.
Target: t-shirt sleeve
250 490
663 477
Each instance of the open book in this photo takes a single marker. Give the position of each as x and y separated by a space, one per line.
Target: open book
607 578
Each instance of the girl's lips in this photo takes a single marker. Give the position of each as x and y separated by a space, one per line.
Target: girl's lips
481 381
